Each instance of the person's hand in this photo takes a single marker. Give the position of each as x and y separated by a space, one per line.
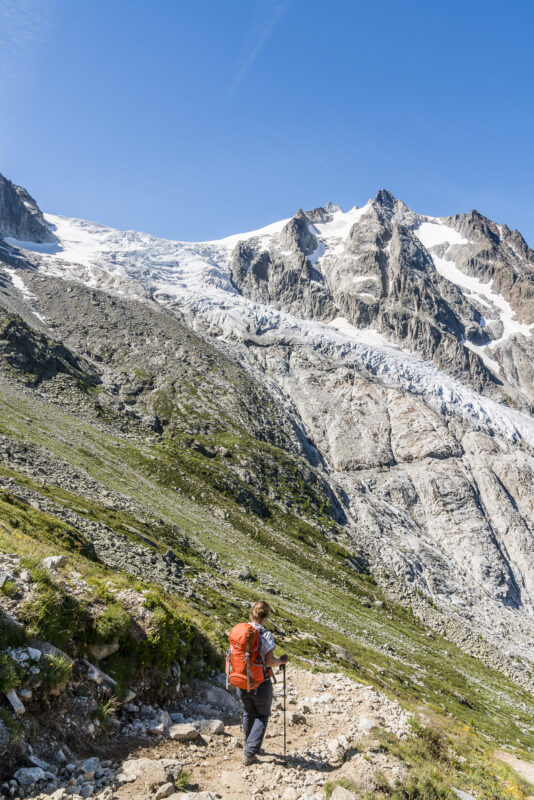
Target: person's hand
284 659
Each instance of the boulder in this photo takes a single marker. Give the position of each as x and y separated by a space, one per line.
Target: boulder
164 791
101 651
89 765
15 702
95 674
462 795
212 726
367 723
343 654
27 776
149 771
59 794
38 762
222 700
340 793
182 732
290 793
53 562
195 796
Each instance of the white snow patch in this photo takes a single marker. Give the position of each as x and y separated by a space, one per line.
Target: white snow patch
268 230
363 278
23 289
485 354
18 283
430 234
331 234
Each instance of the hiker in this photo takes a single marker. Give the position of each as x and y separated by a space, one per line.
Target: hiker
249 664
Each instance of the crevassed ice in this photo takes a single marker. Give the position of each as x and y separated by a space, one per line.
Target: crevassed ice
196 277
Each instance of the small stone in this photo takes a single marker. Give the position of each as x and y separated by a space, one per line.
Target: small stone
87 790
157 730
90 764
16 704
213 726
164 791
38 762
367 723
53 562
183 732
290 794
59 794
340 793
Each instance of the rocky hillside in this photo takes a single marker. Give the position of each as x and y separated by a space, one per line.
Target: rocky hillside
333 412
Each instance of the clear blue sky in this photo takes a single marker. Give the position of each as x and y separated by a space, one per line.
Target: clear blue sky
193 119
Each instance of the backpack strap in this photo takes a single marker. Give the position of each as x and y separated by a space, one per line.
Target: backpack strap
228 667
249 671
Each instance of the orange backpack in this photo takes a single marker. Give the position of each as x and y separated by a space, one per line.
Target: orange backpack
244 663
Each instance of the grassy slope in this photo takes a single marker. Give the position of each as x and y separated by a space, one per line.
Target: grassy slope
320 600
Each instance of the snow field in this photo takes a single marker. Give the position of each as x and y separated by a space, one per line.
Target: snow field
196 277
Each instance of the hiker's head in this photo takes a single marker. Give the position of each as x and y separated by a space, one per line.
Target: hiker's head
260 611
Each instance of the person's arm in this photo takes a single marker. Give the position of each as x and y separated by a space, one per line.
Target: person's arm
271 661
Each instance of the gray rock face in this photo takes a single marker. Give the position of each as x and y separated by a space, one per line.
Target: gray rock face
496 254
283 274
379 276
20 216
516 359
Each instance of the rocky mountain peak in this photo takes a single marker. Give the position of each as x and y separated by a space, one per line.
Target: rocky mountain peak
20 216
385 198
323 213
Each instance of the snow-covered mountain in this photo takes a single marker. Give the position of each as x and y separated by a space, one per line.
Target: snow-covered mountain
401 345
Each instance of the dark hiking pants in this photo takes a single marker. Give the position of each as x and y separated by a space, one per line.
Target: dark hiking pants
256 712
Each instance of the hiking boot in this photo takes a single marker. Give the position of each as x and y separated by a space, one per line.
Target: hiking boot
249 760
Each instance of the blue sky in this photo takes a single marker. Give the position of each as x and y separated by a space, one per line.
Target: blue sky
193 119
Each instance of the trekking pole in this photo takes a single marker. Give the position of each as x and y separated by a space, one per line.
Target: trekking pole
283 668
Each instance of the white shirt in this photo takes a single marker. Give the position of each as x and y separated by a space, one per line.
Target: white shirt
266 639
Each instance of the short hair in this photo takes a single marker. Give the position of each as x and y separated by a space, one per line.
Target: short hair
260 611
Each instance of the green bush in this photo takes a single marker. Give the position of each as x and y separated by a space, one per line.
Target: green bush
106 712
10 673
112 625
55 671
58 618
9 589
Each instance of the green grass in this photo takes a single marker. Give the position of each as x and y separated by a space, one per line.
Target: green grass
9 589
441 754
306 576
55 671
346 783
73 624
106 712
182 782
10 674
